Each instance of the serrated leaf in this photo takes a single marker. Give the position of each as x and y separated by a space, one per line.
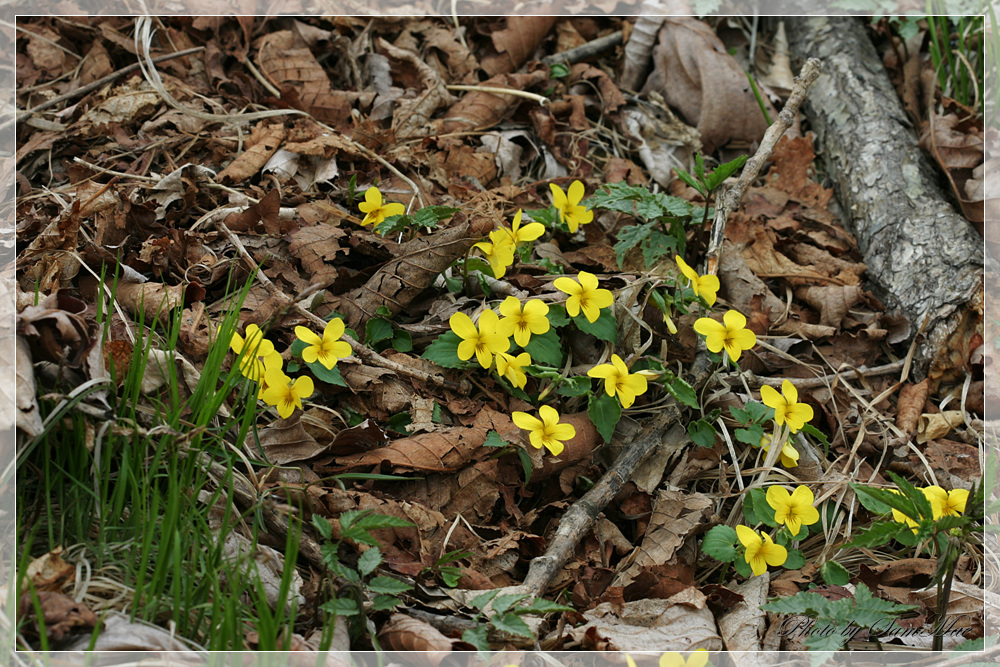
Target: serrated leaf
691 180
604 411
877 534
444 351
388 586
542 606
720 543
322 526
882 501
544 348
683 392
915 495
502 603
834 573
512 624
605 327
429 216
359 535
724 171
340 607
869 609
480 601
493 439
369 560
808 604
380 521
478 637
630 237
832 640
795 560
658 245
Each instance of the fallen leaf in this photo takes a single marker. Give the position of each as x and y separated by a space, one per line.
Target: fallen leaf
405 633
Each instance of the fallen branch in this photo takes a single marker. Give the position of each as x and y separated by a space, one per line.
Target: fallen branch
729 200
584 51
812 383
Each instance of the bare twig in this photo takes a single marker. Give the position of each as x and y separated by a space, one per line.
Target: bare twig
811 383
365 354
730 200
584 51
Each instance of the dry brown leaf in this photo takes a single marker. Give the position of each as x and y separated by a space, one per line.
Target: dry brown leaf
261 217
515 43
481 110
56 329
832 301
286 441
50 572
285 59
938 425
319 248
263 142
676 514
681 623
43 50
61 614
697 76
405 633
580 448
793 160
742 625
472 491
154 300
132 102
911 405
610 95
28 419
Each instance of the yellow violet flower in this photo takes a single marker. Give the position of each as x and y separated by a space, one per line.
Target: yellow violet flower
499 251
522 322
732 335
569 207
789 456
584 295
698 658
271 362
903 518
529 232
618 381
545 432
483 342
253 351
786 407
325 349
946 503
703 286
286 395
375 211
795 509
761 550
512 367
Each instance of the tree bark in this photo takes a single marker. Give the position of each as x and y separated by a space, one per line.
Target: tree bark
924 259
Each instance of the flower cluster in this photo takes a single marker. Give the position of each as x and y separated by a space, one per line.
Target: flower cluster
792 511
499 251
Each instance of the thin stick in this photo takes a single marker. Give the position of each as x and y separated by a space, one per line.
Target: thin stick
811 383
104 80
535 97
584 51
730 200
363 353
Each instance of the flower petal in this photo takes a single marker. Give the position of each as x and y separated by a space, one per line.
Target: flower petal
671 659
526 421
466 349
688 272
576 192
588 281
603 371
334 329
699 658
734 320
706 326
558 196
770 397
304 386
563 431
790 392
462 325
637 384
549 415
567 285
511 307
307 336
748 536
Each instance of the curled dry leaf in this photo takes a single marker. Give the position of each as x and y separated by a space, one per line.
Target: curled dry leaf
262 216
832 301
119 634
154 301
742 625
911 405
61 614
50 572
515 43
405 633
28 418
937 425
263 142
697 76
481 110
56 329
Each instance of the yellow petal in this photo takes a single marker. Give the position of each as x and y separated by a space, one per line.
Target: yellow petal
734 320
671 659
558 196
603 371
568 285
563 432
307 336
698 659
549 415
526 421
790 392
576 193
462 325
770 397
511 307
303 386
688 272
748 537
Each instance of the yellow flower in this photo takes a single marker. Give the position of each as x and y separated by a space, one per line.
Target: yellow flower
733 336
584 295
671 327
326 349
698 658
569 207
794 510
253 352
519 234
512 367
946 503
617 380
285 395
789 456
483 342
703 286
903 518
786 408
521 323
375 211
271 362
499 251
545 432
761 550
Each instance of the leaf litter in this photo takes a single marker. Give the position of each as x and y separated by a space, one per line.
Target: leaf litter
171 211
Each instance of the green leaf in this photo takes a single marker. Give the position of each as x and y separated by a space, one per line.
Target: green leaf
742 566
512 624
502 603
444 351
795 560
542 606
429 216
481 601
557 316
720 543
699 166
762 508
558 70
604 327
544 348
388 586
298 346
575 386
816 433
759 412
879 533
692 181
748 511
683 392
359 535
724 171
702 433
834 573
377 329
385 602
882 501
340 607
381 521
630 237
328 375
869 609
658 245
398 422
478 637
604 411
402 341
547 216
832 640
450 575
322 526
915 495
493 439
808 604
750 435
526 463
742 416
369 560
